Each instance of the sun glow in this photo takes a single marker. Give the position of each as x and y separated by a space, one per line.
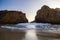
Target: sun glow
54 4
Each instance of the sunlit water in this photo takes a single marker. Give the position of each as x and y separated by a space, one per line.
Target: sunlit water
33 31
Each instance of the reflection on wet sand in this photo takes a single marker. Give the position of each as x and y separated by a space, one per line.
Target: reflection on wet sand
30 35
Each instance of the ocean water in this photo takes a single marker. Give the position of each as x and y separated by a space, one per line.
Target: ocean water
30 31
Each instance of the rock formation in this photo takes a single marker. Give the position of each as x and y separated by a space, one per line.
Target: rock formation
48 15
12 17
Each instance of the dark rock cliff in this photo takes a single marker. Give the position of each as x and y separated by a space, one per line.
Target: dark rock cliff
48 15
12 17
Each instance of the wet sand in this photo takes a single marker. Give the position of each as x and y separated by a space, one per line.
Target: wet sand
20 34
48 36
11 35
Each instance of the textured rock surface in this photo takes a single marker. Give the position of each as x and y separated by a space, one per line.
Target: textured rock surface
12 17
48 15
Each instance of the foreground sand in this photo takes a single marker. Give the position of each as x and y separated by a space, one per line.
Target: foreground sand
6 34
11 35
48 36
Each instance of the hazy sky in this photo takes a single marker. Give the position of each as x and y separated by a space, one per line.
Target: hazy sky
29 7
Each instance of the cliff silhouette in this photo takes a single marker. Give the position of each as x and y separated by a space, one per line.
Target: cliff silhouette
12 17
48 15
43 15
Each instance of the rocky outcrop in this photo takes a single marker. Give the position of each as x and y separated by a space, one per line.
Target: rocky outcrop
12 17
48 15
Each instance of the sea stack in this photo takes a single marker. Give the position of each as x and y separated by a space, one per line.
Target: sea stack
12 17
48 15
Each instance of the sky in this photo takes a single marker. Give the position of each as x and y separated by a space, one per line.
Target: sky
29 7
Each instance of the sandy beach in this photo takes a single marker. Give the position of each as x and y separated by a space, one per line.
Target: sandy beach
11 35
